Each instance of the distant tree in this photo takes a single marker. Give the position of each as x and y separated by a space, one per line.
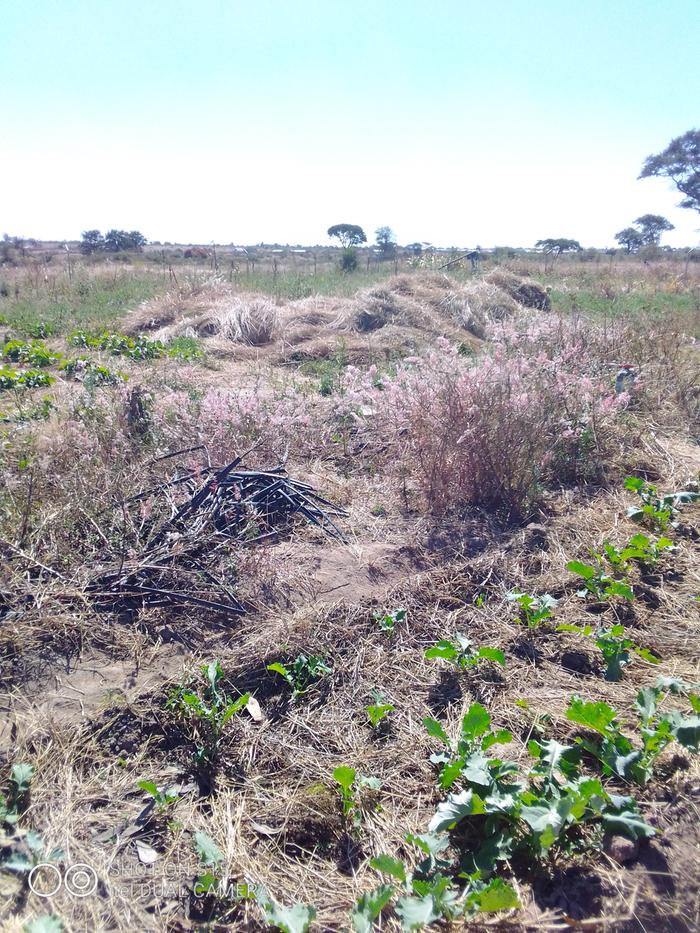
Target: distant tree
386 241
652 226
92 241
415 248
555 247
631 238
680 161
348 234
117 240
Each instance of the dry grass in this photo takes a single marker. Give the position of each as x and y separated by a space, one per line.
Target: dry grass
85 691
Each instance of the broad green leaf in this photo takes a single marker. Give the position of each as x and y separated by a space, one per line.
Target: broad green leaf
278 668
493 654
450 773
205 883
645 703
379 712
416 912
149 787
435 729
368 907
207 850
235 707
429 843
476 722
616 588
502 737
476 770
21 776
495 896
596 716
344 776
295 919
582 570
388 865
687 731
49 923
451 811
635 483
627 823
443 649
647 655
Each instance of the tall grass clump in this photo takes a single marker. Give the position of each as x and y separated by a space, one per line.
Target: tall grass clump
253 321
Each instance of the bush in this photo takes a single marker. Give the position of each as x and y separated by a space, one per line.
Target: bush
348 260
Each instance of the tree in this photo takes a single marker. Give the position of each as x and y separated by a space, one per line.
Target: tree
348 234
117 240
92 241
631 238
386 241
652 226
559 246
680 161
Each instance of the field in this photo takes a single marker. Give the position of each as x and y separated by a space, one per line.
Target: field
426 656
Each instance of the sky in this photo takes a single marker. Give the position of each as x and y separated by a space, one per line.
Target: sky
455 122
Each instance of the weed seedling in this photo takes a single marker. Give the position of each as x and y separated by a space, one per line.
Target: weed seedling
350 787
207 710
387 621
302 672
460 651
15 801
378 711
163 798
533 609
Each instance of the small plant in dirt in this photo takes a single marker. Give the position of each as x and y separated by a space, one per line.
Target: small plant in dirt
185 348
26 852
594 581
351 785
460 651
205 709
617 754
389 619
46 923
24 379
617 649
211 858
533 610
657 511
295 919
302 672
163 798
15 800
134 348
378 711
640 549
467 752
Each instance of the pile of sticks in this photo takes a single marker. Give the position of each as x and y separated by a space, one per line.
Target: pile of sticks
226 506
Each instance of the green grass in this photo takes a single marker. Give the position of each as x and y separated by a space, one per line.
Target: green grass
86 303
329 281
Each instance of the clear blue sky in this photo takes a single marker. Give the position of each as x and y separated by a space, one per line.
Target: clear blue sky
452 121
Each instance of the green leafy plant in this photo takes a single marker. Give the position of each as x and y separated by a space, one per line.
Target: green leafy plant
596 582
639 549
533 610
47 923
460 651
615 646
302 673
378 711
211 858
90 373
206 709
387 621
185 348
466 754
656 510
350 785
164 798
616 752
295 919
24 379
15 801
34 353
